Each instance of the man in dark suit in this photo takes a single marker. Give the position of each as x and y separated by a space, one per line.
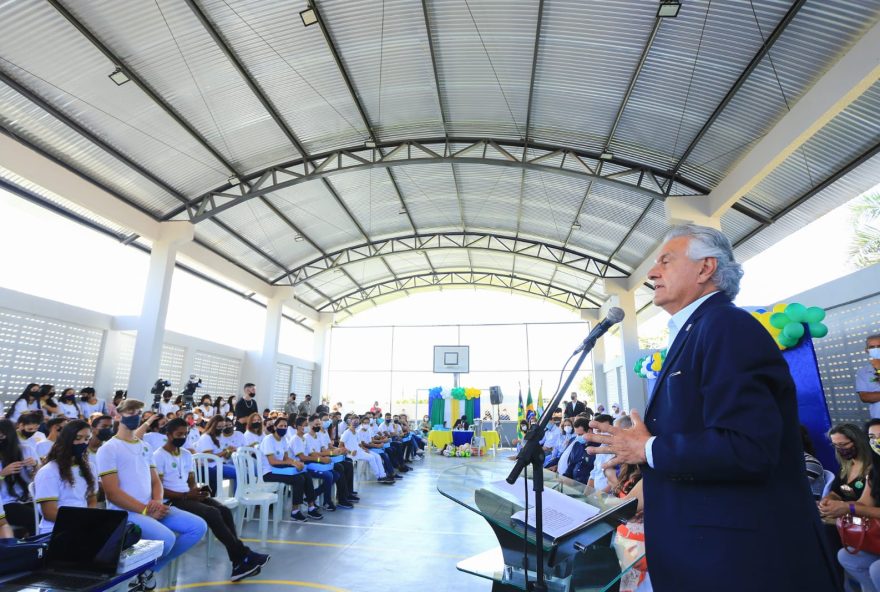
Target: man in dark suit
574 407
727 503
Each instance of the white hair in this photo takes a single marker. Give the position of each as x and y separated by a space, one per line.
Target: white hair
625 422
709 242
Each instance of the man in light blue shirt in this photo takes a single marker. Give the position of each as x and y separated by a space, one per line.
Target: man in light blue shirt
868 377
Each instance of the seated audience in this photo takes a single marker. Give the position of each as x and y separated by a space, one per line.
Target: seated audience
333 448
176 470
574 462
166 406
28 426
353 440
89 403
598 476
426 425
314 462
566 435
254 433
29 400
155 436
281 467
53 428
66 479
552 434
210 442
504 415
205 408
67 404
47 401
863 566
18 463
853 454
815 471
102 431
131 483
623 422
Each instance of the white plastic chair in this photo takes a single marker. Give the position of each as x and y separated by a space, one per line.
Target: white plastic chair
38 512
829 480
280 488
248 491
202 464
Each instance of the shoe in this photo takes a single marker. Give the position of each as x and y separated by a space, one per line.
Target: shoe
353 494
345 505
247 567
315 514
147 580
298 516
331 507
353 499
259 558
398 476
387 481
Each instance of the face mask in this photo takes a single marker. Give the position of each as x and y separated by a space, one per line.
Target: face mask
372 422
25 435
316 428
228 431
281 432
326 424
257 426
230 417
105 434
68 399
178 442
567 429
79 450
130 421
581 439
848 453
190 421
162 430
874 352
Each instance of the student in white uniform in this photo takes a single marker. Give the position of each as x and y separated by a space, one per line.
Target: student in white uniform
351 440
28 400
28 425
18 463
315 463
210 442
54 427
282 467
206 408
598 479
230 437
175 467
89 403
66 479
67 404
155 436
318 447
102 431
131 483
254 433
166 406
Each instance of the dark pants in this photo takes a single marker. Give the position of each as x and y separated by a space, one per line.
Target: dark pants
300 485
396 454
20 516
386 461
343 489
347 468
221 523
328 478
228 473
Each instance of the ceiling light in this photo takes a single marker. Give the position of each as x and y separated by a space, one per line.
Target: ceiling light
668 8
118 76
298 238
233 180
309 16
606 155
576 225
402 211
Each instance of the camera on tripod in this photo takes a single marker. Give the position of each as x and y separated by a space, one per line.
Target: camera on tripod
157 390
188 392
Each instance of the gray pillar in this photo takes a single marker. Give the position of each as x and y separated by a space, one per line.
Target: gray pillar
632 388
265 379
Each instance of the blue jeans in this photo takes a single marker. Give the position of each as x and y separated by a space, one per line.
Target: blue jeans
328 478
863 567
178 531
228 473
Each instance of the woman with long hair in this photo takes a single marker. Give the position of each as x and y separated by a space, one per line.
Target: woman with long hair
253 434
206 408
67 404
17 467
220 406
66 479
230 405
209 442
28 400
855 458
47 401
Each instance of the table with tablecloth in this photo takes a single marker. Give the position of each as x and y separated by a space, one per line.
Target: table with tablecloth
441 438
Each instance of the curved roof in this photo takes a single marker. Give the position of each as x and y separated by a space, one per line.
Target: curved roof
398 144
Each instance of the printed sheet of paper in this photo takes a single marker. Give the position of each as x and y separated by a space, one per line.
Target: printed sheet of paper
561 514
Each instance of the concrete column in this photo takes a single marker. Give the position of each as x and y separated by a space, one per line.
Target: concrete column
105 373
265 379
632 387
598 360
151 325
321 377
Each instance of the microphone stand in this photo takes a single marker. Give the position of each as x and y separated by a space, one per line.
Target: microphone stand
532 453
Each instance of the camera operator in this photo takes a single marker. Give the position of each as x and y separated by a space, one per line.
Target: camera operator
246 406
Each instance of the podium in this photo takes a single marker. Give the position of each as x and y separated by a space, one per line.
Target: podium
587 559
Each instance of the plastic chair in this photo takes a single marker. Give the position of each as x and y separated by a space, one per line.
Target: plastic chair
280 488
248 491
203 463
38 513
829 480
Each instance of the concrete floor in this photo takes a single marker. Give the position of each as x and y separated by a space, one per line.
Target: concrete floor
404 537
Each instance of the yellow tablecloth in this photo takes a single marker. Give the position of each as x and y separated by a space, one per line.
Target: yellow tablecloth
439 439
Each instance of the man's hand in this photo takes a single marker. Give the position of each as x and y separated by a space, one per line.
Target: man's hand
627 446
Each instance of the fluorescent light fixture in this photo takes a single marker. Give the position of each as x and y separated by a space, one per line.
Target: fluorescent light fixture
402 211
118 76
309 16
370 144
668 8
233 180
606 155
576 225
298 238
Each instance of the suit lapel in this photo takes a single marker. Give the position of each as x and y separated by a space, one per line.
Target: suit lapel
681 339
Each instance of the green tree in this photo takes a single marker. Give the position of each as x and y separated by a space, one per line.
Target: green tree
864 248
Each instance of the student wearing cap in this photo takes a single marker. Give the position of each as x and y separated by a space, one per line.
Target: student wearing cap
131 483
174 463
66 479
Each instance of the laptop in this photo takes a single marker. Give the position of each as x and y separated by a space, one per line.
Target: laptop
83 552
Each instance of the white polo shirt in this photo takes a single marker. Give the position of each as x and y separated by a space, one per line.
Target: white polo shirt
50 487
155 440
131 461
166 408
313 443
297 446
174 469
252 439
192 438
42 448
68 410
236 440
272 447
27 473
206 444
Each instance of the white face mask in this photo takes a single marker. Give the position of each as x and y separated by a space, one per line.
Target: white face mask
567 429
874 353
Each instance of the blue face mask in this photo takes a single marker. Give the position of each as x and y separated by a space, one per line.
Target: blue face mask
79 450
281 432
581 439
130 421
326 424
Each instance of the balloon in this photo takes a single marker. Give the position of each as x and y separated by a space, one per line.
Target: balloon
796 312
779 320
779 307
815 314
818 330
793 331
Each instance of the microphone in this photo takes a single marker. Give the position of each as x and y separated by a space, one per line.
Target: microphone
614 316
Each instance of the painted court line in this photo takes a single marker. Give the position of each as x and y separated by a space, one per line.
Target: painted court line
347 546
384 528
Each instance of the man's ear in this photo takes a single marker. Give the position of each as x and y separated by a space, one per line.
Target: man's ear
707 270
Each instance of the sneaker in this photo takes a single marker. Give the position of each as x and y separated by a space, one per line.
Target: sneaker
398 476
315 514
353 499
259 558
345 505
247 567
387 481
147 580
297 516
331 507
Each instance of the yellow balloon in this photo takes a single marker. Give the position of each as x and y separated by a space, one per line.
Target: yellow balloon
780 307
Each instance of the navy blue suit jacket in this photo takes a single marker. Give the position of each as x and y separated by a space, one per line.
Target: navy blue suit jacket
727 504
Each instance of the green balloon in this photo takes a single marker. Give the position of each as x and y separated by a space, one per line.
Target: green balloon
818 330
794 331
796 312
638 367
779 320
786 341
815 314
